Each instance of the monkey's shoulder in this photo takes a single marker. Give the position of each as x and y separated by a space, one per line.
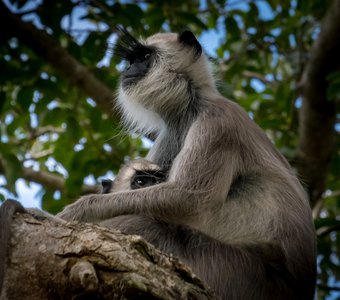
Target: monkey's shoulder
223 116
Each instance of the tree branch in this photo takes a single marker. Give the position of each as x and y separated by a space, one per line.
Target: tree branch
325 230
50 181
317 114
52 52
59 260
251 74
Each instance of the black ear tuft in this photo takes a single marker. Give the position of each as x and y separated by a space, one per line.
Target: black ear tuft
187 38
126 44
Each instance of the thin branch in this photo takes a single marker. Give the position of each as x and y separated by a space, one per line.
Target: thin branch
331 194
316 210
258 76
50 181
318 205
325 230
39 131
103 7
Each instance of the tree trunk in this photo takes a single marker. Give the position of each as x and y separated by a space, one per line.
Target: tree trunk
59 260
318 114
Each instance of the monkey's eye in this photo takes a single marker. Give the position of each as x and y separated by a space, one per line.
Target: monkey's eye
155 180
140 182
140 57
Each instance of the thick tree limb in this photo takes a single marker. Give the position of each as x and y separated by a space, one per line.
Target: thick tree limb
317 114
58 260
51 51
48 180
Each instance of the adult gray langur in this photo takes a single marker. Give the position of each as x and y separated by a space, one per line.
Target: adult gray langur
231 207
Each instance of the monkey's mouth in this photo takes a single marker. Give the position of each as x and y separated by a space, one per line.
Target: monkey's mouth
135 72
128 80
130 76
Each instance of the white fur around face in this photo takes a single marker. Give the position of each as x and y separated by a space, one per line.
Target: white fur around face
137 117
167 89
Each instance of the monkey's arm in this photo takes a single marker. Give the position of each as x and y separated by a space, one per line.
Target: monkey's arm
200 176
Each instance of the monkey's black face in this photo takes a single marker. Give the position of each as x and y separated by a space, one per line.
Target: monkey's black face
140 63
145 178
136 54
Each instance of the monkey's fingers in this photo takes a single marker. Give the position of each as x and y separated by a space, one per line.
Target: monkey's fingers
76 211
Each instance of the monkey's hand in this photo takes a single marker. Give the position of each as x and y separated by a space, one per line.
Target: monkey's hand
81 210
163 200
97 207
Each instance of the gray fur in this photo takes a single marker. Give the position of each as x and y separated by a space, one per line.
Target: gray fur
231 207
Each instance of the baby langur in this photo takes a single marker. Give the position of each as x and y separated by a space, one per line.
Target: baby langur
230 207
136 174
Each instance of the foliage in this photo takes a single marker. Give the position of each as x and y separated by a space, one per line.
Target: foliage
259 48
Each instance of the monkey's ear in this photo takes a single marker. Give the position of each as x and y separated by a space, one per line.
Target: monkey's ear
187 38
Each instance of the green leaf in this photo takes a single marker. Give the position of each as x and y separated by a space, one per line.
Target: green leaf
3 99
73 128
56 117
12 168
333 89
25 97
232 28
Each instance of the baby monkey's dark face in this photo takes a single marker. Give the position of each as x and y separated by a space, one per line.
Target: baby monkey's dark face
141 179
145 178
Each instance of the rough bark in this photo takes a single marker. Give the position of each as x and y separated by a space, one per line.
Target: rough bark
318 114
54 54
60 260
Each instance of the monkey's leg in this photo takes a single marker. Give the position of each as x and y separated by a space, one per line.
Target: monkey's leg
256 271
